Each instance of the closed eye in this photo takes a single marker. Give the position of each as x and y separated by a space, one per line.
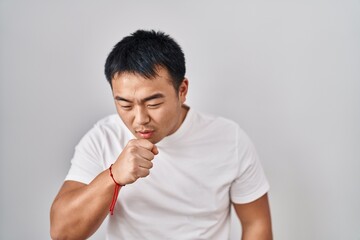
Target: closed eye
126 107
154 105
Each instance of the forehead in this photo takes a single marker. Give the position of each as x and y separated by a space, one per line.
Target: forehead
129 84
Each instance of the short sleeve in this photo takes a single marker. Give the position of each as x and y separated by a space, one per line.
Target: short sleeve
87 161
250 183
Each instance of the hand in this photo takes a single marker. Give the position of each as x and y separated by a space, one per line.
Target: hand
134 161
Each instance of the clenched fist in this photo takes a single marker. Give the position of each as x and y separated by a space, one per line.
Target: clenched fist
134 161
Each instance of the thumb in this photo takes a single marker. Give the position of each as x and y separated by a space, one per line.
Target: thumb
155 150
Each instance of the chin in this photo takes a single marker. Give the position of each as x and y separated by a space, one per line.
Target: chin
154 141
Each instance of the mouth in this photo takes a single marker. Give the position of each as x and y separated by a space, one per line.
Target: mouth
146 134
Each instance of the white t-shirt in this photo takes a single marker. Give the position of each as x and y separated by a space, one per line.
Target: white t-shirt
205 165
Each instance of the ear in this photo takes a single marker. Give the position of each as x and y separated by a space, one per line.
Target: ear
183 89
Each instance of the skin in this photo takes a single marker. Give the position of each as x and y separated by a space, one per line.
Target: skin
255 219
151 109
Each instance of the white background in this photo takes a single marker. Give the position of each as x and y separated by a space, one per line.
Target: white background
287 71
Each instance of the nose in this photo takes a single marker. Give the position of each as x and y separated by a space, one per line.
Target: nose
141 116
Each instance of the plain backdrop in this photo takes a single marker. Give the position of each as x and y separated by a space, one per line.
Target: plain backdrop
287 71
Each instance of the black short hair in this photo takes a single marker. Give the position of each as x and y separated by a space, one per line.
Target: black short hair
142 52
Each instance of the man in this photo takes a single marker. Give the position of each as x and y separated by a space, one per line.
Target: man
180 170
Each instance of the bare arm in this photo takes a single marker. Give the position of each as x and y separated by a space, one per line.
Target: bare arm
70 216
255 219
79 209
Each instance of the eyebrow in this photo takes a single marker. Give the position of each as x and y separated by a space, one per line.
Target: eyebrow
154 96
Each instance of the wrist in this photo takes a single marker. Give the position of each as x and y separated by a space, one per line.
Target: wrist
116 191
112 175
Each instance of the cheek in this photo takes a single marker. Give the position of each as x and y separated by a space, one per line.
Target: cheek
125 117
168 117
158 116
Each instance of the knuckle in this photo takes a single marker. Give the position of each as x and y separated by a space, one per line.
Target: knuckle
136 170
132 142
133 168
130 160
132 149
147 172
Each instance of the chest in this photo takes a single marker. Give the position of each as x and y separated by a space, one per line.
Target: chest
189 183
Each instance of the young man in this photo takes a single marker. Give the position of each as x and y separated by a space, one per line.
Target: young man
180 170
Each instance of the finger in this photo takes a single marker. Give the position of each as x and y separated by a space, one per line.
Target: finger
145 154
148 145
155 150
145 144
142 172
145 164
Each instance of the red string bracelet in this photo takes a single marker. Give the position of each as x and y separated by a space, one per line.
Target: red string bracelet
116 192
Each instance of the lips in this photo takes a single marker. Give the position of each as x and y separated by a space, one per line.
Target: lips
145 133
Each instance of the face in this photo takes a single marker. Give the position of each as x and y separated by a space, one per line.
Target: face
150 108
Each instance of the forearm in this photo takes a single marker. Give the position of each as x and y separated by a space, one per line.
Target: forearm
78 213
259 231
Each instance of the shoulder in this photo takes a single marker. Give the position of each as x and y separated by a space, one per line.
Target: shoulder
218 128
109 124
108 121
109 127
221 127
105 137
215 121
